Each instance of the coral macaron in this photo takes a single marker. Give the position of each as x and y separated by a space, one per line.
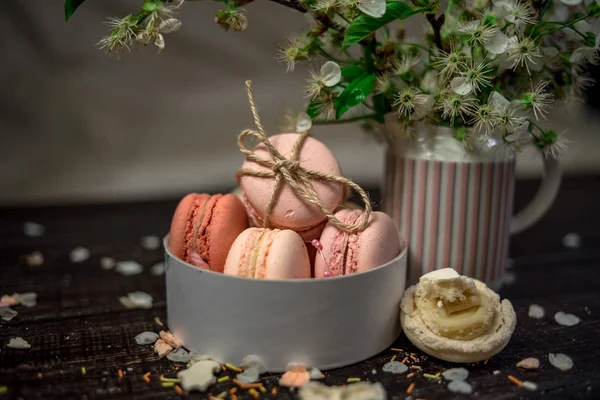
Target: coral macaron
347 253
268 254
204 227
290 210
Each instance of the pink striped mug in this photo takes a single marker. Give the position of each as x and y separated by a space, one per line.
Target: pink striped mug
454 208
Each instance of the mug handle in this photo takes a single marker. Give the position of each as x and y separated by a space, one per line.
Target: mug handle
542 200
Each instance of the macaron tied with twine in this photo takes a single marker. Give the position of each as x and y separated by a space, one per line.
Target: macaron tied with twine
293 181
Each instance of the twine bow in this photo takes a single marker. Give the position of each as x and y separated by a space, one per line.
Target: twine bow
291 172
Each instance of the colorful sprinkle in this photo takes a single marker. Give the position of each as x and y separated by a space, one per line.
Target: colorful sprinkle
430 376
352 380
221 395
83 371
223 379
168 384
254 393
179 390
120 372
416 367
410 388
404 360
410 375
396 349
174 380
262 389
274 392
233 368
515 380
393 358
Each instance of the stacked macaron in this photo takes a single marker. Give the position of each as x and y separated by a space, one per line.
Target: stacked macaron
228 233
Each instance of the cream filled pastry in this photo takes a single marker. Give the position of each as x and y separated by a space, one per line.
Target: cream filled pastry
456 318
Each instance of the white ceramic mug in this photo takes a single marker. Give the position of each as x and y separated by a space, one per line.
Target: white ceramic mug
454 208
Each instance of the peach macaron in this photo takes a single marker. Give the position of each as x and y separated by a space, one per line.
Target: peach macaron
268 254
347 253
204 227
290 210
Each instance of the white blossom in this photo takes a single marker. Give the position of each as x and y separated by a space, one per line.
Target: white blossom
303 122
514 141
497 44
586 53
455 105
329 75
430 81
523 53
539 99
508 114
478 32
450 63
471 80
518 13
559 146
373 8
413 103
324 5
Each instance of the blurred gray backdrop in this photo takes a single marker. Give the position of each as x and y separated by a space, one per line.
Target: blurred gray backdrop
79 126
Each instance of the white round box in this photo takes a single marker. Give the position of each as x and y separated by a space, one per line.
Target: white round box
325 323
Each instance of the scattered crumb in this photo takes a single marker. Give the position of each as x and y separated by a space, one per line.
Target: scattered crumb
146 338
170 338
158 269
34 259
496 372
572 241
150 242
455 374
529 385
33 229
129 268
158 322
7 313
536 311
316 373
296 377
8 301
137 300
162 348
28 299
566 319
179 355
560 361
107 263
79 254
529 363
18 343
250 375
460 387
587 310
395 367
374 372
355 391
199 376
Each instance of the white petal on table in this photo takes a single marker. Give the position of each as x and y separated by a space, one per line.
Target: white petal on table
460 387
18 343
146 338
107 263
150 242
561 361
129 268
7 313
79 254
455 374
33 229
536 311
566 319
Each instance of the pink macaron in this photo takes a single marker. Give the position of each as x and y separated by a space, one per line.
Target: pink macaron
204 227
268 254
290 210
344 253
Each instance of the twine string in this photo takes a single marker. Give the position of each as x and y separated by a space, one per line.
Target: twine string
289 171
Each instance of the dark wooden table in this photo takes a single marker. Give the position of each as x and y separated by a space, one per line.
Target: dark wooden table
79 321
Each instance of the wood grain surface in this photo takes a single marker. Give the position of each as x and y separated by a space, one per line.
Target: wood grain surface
79 321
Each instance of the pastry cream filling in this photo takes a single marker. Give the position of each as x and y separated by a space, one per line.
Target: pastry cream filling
452 307
252 269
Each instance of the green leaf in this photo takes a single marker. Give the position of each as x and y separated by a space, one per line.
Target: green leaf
364 25
313 110
351 73
356 92
70 7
